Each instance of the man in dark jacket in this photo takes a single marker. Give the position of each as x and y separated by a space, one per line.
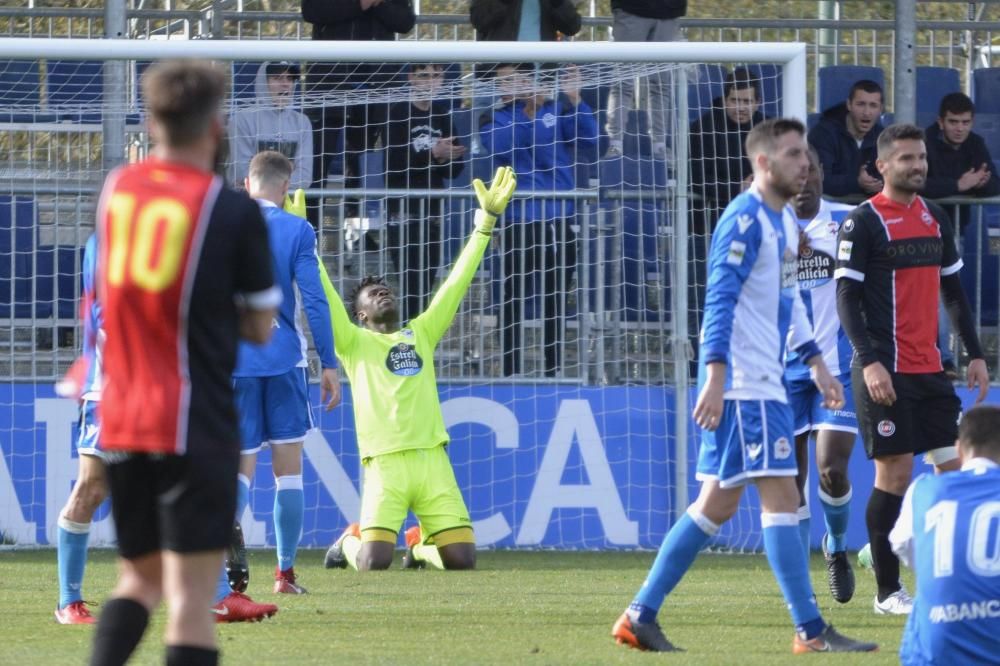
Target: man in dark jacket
421 152
643 21
958 162
360 125
514 21
845 140
719 167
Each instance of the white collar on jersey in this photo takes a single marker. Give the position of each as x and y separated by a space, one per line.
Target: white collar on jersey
975 463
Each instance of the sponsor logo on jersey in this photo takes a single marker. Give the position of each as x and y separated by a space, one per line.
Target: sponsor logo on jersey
848 225
789 269
815 269
886 428
782 448
844 250
963 612
893 220
736 251
403 360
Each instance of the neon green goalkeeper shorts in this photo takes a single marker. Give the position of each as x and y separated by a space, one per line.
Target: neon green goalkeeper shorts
420 480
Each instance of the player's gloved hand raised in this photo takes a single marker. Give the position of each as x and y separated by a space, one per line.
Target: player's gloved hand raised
493 201
296 204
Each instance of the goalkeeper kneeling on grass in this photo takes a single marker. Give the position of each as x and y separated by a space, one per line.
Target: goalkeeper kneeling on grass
400 429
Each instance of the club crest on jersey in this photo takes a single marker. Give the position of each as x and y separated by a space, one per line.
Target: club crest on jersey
403 360
407 332
925 217
886 428
782 448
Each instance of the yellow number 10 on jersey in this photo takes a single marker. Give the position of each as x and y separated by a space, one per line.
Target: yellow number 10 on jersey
133 241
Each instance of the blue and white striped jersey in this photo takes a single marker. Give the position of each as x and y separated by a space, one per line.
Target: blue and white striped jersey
92 328
752 304
818 290
296 272
949 532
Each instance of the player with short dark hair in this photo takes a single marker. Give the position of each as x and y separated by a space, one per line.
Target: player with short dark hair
834 429
896 257
184 268
400 428
752 309
271 381
947 531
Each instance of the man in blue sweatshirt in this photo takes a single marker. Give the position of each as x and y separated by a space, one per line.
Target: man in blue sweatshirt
537 133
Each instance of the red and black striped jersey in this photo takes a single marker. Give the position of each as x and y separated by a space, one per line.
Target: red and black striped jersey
177 249
899 252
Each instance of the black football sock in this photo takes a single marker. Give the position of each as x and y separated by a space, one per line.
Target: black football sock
187 655
881 515
120 627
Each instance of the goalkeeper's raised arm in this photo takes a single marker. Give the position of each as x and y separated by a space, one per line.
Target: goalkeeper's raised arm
438 316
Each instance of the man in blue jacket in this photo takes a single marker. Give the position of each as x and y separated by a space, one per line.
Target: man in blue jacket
537 134
845 140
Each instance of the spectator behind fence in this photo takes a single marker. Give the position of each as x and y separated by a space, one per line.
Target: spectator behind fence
643 21
845 140
535 134
357 126
720 169
272 124
958 161
514 21
421 152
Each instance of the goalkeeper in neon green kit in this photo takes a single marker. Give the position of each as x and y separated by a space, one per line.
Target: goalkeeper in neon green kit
400 429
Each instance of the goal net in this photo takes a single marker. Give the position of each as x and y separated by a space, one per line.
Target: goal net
566 378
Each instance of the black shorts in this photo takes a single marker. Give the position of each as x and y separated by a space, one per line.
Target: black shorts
172 502
924 416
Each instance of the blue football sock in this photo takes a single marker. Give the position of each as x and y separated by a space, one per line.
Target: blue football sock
222 588
677 552
242 495
804 525
289 505
787 560
836 514
72 559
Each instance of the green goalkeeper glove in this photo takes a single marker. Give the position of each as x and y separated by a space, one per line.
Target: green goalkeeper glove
296 204
493 202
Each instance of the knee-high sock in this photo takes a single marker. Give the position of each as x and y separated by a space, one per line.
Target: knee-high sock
72 558
836 515
119 629
787 560
804 526
677 553
428 552
883 511
289 505
351 545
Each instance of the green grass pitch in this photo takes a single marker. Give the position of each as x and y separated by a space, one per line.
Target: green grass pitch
517 608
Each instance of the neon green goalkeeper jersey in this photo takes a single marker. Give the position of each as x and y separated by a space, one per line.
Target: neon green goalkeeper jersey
393 384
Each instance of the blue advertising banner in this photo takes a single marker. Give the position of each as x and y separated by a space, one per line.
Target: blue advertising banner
540 466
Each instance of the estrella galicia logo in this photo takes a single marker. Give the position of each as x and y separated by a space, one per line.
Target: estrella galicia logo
815 269
403 360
